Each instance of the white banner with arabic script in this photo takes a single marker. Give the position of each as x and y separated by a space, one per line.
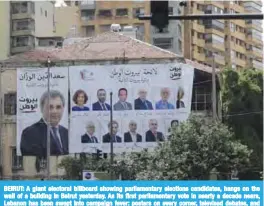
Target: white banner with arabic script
147 100
33 110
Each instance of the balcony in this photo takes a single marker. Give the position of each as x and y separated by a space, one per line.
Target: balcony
199 42
23 10
238 8
198 27
239 22
240 62
23 32
258 52
257 64
219 59
238 48
199 56
254 25
215 46
22 44
239 35
254 41
87 4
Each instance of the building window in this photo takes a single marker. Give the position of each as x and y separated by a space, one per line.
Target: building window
138 11
17 161
21 7
76 3
122 12
87 14
19 25
201 98
180 45
90 31
105 13
164 43
170 10
10 103
46 13
179 30
41 11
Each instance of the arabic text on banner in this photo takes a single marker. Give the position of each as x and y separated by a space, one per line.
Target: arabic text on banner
148 99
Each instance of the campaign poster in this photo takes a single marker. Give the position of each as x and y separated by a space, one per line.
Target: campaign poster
145 99
42 109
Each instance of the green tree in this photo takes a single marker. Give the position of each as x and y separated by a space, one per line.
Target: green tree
73 166
242 101
196 148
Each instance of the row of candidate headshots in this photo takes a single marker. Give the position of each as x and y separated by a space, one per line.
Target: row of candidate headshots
130 134
141 102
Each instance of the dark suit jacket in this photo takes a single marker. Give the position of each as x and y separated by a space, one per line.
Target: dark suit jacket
128 138
151 138
34 141
107 138
139 105
97 106
87 139
180 104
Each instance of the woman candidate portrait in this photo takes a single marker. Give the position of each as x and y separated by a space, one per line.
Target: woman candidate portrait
80 98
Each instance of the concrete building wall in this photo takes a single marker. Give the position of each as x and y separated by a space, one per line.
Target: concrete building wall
4 29
67 18
44 18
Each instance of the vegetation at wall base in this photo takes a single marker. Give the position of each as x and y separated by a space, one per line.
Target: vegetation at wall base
195 148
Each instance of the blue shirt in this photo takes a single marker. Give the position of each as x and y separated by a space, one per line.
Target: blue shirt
164 105
77 108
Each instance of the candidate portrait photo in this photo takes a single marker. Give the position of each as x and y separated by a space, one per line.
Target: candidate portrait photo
34 137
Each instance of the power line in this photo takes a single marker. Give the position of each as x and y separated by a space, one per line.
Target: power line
242 114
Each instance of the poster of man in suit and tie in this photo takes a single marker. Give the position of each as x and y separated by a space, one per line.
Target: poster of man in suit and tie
40 112
122 103
133 134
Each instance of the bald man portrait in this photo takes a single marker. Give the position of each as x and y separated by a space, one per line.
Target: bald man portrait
89 136
152 135
141 103
132 135
163 103
34 138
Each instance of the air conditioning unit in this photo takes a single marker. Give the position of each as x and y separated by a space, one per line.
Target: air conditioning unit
115 28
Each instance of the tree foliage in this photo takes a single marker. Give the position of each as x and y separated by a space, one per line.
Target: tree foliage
242 101
73 166
196 148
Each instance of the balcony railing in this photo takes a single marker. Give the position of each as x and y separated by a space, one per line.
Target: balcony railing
257 64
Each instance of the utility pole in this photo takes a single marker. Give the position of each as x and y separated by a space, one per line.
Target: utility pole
1 123
111 139
48 123
214 89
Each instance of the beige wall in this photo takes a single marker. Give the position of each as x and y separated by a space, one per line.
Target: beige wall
4 29
44 24
65 19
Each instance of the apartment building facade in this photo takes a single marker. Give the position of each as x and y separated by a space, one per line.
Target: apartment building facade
171 36
97 16
24 22
234 43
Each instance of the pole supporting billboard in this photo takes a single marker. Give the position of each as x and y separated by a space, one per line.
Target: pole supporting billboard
111 139
48 123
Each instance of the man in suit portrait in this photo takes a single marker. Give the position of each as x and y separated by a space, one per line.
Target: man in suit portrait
152 135
115 137
141 103
34 138
122 104
101 105
89 137
132 135
163 103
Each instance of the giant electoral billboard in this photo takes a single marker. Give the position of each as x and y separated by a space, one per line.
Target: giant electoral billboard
148 100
